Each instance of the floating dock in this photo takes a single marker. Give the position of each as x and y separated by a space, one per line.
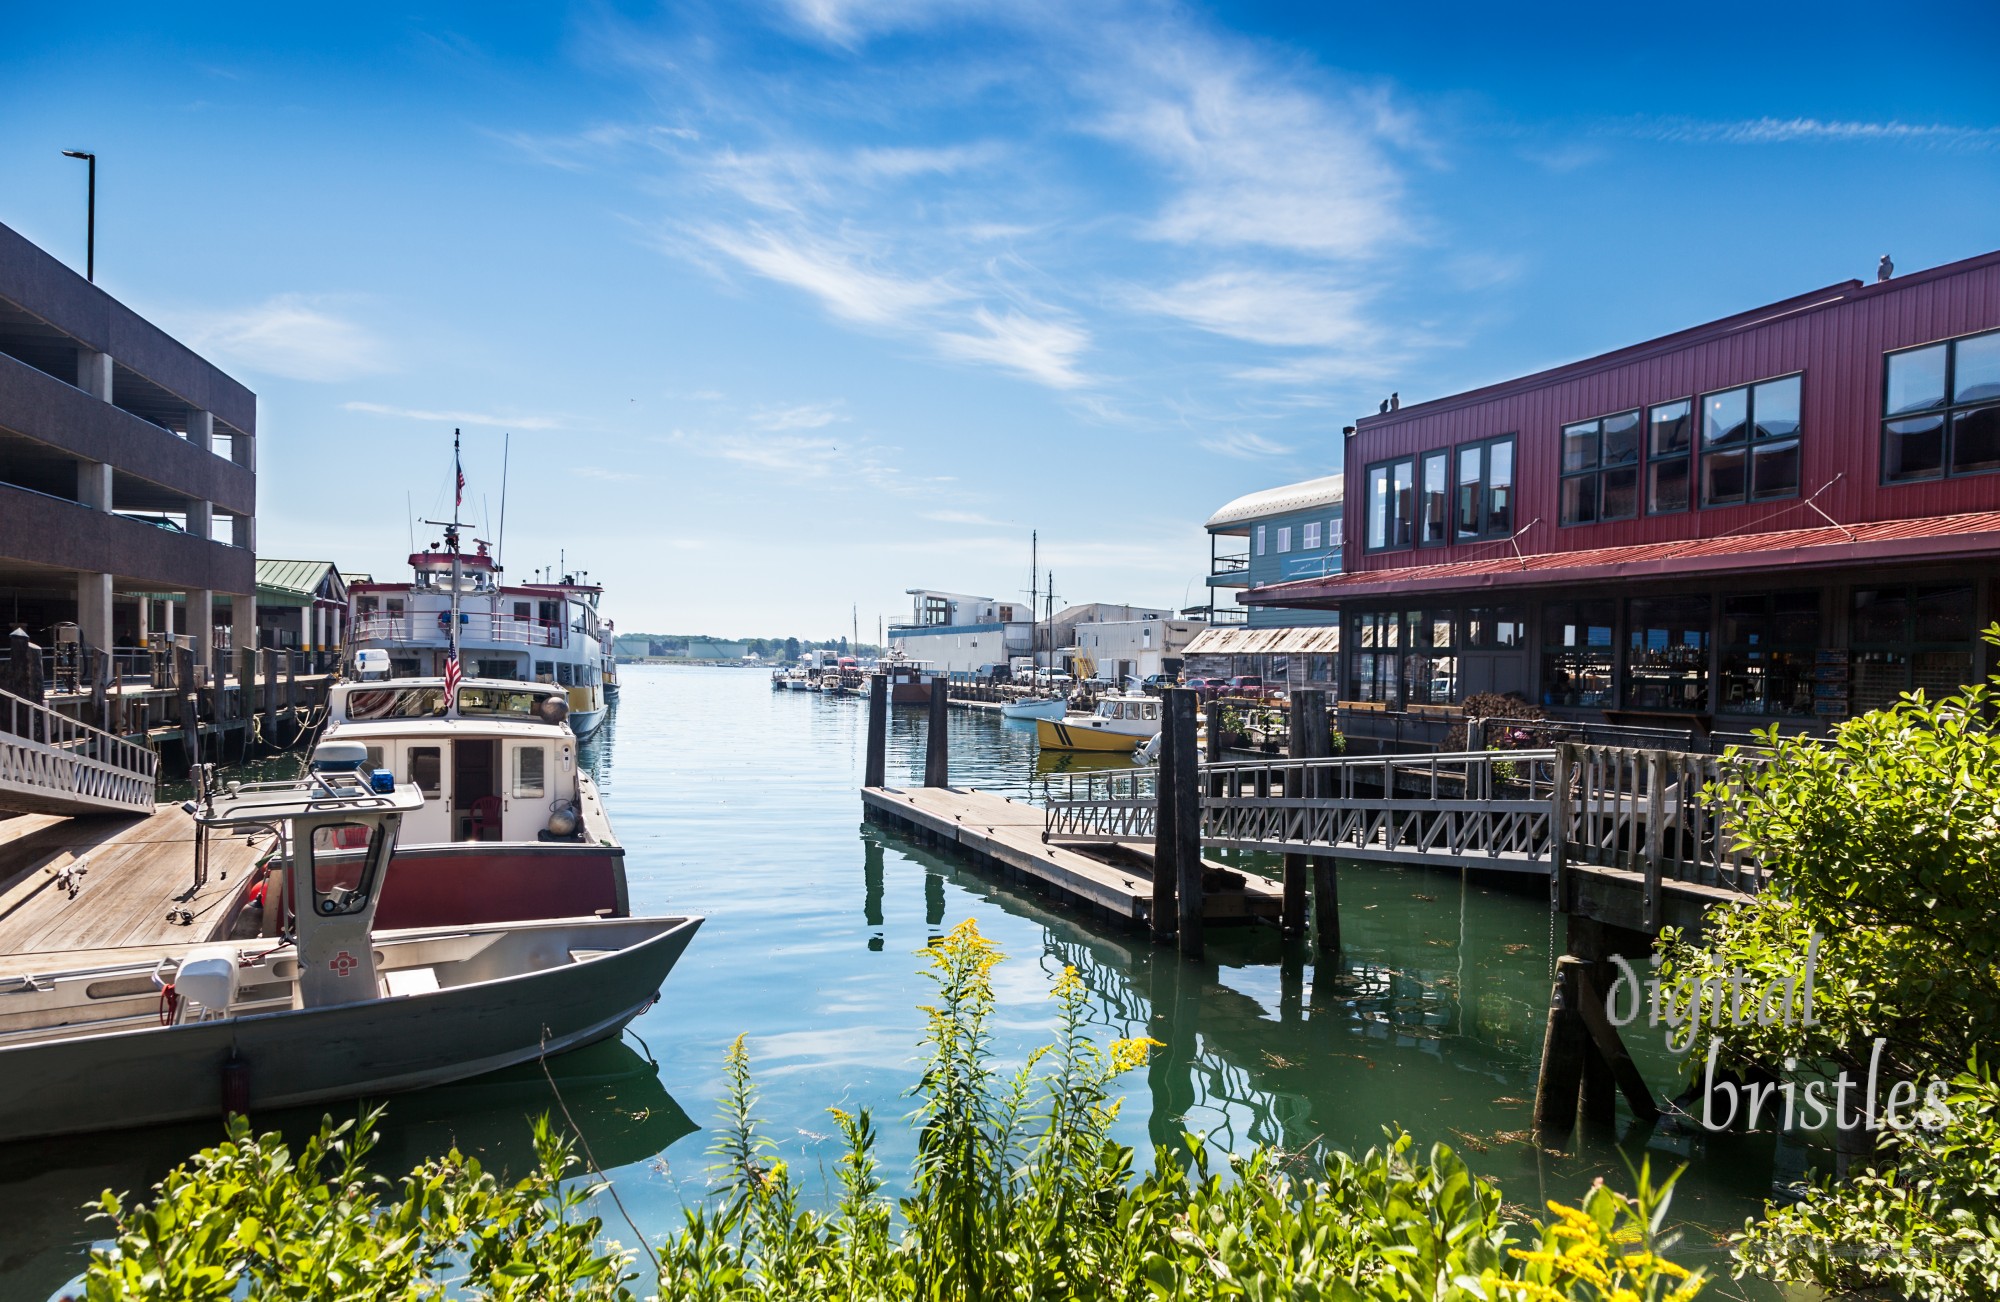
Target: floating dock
1004 837
128 874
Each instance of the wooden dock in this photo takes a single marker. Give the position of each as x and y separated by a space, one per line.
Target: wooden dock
1005 837
128 874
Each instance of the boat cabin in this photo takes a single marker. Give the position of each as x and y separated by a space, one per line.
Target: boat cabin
1145 709
497 763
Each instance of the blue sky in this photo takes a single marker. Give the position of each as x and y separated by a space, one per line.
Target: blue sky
791 306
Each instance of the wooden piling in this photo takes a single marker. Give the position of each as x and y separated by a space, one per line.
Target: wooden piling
937 740
185 690
270 688
1178 727
876 771
1311 739
1166 869
1564 1043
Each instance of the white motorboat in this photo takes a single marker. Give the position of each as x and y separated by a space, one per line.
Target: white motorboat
328 1009
1120 723
1048 707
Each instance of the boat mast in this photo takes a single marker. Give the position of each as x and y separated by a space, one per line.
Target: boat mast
451 539
1034 620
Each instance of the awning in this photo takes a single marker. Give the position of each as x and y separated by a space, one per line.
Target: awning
1312 639
1971 535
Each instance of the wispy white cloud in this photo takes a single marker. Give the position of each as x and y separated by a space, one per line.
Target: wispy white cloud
456 417
807 458
812 415
1769 130
837 276
292 335
1283 309
1260 158
1045 350
1246 446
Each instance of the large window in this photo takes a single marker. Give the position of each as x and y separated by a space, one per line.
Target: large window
1309 535
1284 539
1941 410
1669 456
1600 469
1485 489
1391 504
1768 642
1576 653
1750 443
1375 655
1434 510
1666 665
1909 638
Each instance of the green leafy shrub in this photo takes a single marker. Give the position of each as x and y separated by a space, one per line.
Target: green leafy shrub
1018 1192
1926 1225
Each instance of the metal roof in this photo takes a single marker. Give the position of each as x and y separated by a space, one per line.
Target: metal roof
1302 496
1311 639
1974 533
292 578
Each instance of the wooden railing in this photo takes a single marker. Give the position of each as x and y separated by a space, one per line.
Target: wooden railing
50 763
1664 815
1644 811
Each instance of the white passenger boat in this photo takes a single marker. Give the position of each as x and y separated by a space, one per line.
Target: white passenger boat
1120 723
330 1008
511 826
1048 707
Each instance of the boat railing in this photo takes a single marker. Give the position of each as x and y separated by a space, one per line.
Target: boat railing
473 626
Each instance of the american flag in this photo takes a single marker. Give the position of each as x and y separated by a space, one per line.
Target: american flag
453 674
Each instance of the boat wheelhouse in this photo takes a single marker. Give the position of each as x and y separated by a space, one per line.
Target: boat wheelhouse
510 826
1119 723
546 633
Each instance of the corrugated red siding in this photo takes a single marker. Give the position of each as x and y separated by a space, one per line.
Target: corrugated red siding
1839 347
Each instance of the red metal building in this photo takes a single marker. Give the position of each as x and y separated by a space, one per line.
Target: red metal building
1791 514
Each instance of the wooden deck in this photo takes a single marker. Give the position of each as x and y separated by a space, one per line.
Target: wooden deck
1006 836
134 872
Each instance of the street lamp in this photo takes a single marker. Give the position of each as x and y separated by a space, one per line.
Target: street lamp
90 244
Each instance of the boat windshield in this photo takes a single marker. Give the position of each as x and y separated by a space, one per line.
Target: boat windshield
396 703
499 703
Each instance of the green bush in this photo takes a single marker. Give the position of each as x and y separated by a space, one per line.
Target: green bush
1018 1192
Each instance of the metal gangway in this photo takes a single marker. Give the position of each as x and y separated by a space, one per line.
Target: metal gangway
52 764
1661 816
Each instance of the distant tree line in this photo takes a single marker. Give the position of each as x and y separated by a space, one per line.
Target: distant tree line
699 646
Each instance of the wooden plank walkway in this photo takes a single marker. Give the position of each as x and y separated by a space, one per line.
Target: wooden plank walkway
135 870
1006 835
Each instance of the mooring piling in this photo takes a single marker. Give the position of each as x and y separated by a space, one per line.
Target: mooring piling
1179 728
937 744
877 770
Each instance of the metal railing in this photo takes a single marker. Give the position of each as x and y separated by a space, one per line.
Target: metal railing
50 763
473 626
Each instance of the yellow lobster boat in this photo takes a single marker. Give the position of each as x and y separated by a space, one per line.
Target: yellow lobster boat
1119 724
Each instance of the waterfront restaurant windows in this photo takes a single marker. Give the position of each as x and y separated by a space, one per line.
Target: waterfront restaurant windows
1434 511
1666 666
1374 665
1284 539
1391 490
1600 469
1260 540
1941 410
1309 535
1769 642
1485 489
1576 653
1908 638
1750 443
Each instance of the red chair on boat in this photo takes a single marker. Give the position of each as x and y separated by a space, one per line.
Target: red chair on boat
486 817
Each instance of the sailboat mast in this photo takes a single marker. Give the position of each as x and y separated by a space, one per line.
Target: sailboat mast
1034 573
451 536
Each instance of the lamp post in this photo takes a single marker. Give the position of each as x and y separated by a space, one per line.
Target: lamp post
90 239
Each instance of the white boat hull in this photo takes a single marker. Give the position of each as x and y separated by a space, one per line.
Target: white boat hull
578 981
1051 708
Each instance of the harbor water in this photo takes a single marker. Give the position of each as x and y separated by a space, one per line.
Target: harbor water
740 803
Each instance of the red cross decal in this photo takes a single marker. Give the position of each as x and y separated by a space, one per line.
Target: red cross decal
343 963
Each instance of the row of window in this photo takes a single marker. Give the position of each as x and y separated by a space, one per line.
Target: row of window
1749 654
1940 417
1457 494
1745 449
1310 536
